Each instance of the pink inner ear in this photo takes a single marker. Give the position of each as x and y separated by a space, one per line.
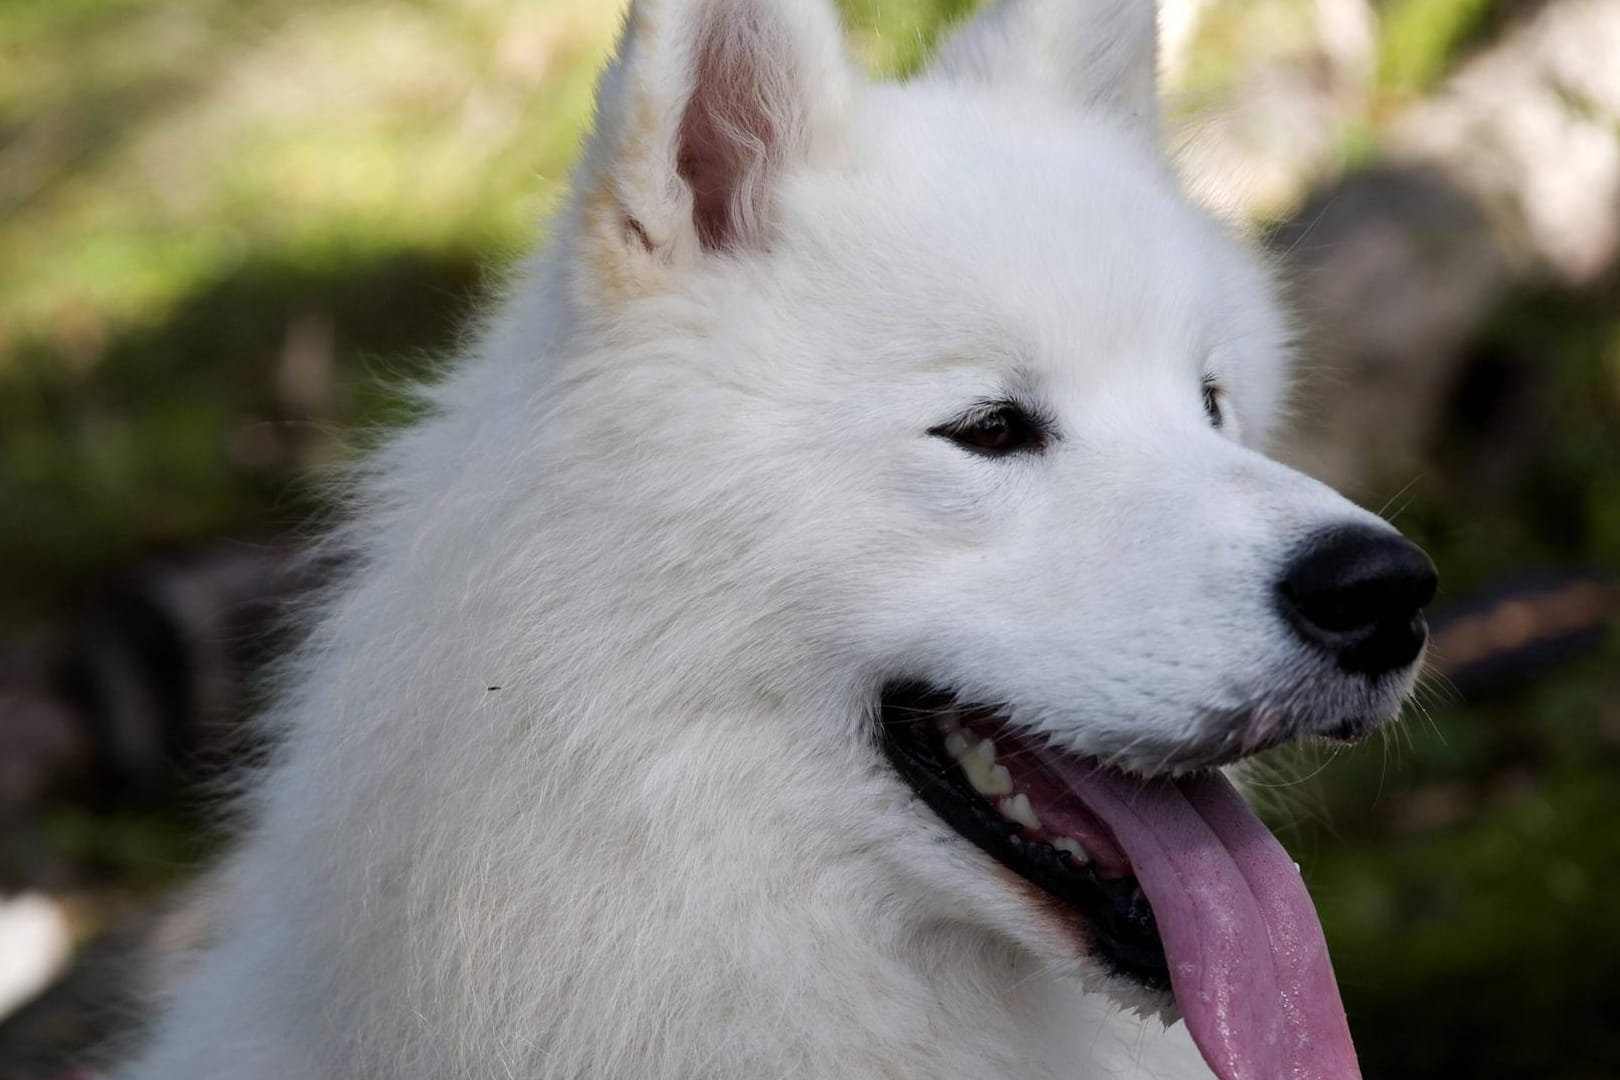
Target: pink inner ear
730 132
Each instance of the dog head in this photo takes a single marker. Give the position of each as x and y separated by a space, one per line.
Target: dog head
944 393
1003 390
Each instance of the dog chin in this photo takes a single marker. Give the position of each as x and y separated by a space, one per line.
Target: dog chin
1324 708
1238 735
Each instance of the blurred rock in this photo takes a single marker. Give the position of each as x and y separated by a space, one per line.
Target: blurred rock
1531 129
1506 176
1394 269
36 941
104 998
1254 149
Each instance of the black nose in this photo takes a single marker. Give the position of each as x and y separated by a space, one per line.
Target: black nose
1358 593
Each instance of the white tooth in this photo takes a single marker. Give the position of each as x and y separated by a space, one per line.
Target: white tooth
1297 870
1017 809
1072 846
956 745
986 751
991 780
998 781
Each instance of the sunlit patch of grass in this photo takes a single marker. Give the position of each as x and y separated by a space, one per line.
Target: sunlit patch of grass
1419 40
247 128
891 37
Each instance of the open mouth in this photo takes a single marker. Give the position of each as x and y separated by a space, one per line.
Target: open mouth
1173 883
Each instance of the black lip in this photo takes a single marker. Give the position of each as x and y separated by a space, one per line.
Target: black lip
1122 932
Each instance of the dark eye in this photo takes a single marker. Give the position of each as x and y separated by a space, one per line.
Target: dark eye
1212 400
995 430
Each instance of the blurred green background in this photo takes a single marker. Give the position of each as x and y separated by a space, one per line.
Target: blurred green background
231 229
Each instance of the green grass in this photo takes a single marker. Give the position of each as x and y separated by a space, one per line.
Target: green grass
1420 40
180 140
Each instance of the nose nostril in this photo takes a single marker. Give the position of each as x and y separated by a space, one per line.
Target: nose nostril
1358 593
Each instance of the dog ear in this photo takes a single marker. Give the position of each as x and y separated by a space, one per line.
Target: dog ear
1100 54
705 105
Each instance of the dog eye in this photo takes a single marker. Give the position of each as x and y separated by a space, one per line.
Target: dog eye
995 431
1212 401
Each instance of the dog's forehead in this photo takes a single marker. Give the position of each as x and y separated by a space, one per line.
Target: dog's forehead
1057 236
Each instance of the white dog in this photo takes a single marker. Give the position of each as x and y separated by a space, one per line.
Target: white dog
802 639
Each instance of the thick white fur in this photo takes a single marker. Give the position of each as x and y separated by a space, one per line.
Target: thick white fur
680 507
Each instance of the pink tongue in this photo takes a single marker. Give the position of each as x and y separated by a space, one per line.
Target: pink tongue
1248 963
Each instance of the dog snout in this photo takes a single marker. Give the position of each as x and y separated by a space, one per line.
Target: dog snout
1358 594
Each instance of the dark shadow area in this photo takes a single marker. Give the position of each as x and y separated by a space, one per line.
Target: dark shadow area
202 426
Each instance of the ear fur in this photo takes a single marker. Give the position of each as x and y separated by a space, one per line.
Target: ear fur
1099 54
705 104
